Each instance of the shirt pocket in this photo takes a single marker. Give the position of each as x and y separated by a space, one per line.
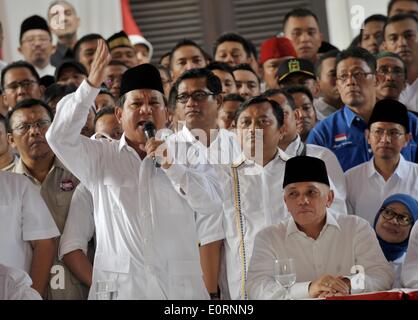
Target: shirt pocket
185 280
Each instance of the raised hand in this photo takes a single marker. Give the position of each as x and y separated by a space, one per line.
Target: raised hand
100 61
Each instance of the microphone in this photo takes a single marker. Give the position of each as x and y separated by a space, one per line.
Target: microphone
150 130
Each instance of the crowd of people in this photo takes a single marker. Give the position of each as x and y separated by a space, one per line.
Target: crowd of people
191 178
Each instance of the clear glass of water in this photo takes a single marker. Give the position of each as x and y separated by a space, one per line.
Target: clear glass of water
285 274
106 290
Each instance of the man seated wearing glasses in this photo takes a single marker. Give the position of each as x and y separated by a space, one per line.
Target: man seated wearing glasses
27 124
387 173
343 131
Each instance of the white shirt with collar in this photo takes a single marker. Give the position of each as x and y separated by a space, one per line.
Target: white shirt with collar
79 226
220 154
49 70
409 96
147 246
409 274
344 242
335 173
261 204
16 284
323 109
367 189
24 217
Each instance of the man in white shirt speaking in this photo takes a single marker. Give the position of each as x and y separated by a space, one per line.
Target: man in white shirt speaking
332 255
147 246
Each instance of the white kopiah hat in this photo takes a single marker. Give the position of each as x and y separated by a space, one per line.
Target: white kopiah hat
137 39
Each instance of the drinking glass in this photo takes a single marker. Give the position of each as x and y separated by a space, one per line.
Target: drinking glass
285 274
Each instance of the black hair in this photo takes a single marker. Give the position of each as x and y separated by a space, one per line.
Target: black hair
272 92
27 104
102 112
399 17
247 67
187 42
167 54
213 83
105 90
318 63
373 18
87 38
300 89
355 42
16 65
160 67
277 110
299 13
253 49
234 97
233 37
172 98
359 53
222 66
326 47
56 90
392 2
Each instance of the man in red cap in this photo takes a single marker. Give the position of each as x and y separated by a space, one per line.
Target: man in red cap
272 52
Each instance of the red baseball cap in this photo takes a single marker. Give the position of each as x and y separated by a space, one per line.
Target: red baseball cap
276 47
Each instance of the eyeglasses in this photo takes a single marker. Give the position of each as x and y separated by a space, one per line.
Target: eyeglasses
25 84
396 73
403 219
25 127
32 40
392 133
197 96
357 75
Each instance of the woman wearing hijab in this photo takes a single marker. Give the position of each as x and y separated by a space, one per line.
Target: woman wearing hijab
393 224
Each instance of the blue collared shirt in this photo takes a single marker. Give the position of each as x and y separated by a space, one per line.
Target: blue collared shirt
343 133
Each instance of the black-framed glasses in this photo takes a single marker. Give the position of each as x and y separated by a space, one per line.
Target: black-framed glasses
24 84
358 75
197 96
392 133
21 129
403 219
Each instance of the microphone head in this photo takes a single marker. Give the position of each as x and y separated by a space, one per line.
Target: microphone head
149 129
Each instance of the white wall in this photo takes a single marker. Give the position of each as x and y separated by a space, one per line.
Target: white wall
345 17
96 16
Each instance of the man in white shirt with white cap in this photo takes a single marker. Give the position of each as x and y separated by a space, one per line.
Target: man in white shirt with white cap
143 48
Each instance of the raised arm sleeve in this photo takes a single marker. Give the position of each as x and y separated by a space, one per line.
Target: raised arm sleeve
78 153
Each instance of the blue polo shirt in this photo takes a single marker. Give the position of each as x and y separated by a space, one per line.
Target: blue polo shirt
343 133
